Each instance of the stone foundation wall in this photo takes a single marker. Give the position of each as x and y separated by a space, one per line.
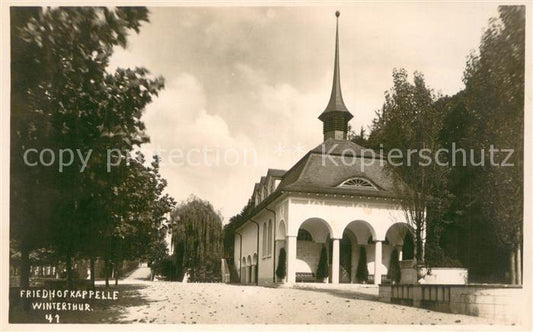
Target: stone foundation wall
501 302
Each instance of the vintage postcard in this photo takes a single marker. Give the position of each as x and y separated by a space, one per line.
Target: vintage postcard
289 166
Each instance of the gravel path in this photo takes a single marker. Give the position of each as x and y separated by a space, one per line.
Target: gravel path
172 302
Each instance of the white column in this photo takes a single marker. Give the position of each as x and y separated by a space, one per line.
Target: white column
377 263
335 262
291 259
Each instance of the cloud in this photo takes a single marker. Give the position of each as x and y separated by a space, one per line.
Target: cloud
257 78
196 146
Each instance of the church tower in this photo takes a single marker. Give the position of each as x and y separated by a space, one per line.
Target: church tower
336 116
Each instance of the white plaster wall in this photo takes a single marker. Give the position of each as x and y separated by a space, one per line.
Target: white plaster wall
338 213
249 240
370 259
265 262
236 251
307 256
265 270
385 258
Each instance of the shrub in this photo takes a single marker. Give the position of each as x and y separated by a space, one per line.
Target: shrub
165 267
394 273
322 270
362 269
281 271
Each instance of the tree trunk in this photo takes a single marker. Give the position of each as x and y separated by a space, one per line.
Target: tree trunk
418 246
116 273
106 272
69 270
518 264
24 268
92 272
25 275
513 267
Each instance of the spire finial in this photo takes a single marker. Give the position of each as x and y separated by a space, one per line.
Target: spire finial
336 114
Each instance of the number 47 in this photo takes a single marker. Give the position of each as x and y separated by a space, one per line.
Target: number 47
50 318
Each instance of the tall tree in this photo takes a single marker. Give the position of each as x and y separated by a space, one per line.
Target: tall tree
410 121
490 112
64 98
197 238
143 208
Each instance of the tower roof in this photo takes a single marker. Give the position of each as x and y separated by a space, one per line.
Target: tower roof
336 103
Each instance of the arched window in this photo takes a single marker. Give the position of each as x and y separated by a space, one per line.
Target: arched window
357 183
304 235
269 236
264 239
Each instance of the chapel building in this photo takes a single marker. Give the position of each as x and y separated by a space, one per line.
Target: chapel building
327 202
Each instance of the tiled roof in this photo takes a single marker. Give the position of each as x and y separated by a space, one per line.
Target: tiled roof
325 167
276 173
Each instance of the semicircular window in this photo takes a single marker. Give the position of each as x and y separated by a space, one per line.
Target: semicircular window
357 183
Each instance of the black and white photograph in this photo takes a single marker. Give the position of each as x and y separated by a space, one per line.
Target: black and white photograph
280 166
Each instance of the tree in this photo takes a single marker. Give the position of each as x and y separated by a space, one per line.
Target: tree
322 271
32 194
141 208
360 139
362 268
197 240
281 270
63 97
490 112
410 121
394 273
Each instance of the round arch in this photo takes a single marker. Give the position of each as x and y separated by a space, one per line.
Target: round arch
281 231
362 231
319 229
396 233
254 259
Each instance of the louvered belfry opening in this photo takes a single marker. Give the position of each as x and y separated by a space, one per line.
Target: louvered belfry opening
335 126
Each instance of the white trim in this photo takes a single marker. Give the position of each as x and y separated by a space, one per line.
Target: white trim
357 183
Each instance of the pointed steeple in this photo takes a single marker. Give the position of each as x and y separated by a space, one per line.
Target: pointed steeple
336 116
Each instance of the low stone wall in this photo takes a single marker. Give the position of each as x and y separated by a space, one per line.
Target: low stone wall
435 276
501 302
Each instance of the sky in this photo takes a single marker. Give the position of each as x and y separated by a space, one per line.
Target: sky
244 85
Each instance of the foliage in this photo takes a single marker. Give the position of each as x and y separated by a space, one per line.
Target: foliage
197 240
281 270
64 97
229 229
360 139
394 273
411 121
166 267
488 200
322 271
362 268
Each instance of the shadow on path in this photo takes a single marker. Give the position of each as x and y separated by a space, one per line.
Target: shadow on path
343 293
